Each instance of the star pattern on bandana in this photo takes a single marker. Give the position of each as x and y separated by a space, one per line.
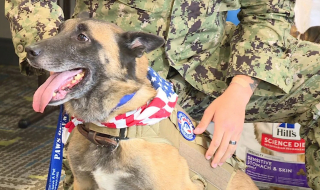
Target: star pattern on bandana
158 82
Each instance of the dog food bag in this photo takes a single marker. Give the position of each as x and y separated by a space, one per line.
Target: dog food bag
274 154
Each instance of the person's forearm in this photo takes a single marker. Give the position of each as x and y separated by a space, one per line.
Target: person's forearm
248 85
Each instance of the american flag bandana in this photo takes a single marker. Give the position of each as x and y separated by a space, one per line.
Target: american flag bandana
152 112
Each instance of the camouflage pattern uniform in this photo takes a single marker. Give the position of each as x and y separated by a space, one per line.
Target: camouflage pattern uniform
202 53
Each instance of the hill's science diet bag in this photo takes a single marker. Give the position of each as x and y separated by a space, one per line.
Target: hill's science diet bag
274 154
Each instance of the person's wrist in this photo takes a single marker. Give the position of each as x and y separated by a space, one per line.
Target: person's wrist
239 93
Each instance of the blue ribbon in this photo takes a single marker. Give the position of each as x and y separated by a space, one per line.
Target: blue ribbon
54 172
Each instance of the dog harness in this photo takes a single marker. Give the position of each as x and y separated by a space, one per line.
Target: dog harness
162 121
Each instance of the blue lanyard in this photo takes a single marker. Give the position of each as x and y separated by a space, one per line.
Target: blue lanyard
57 153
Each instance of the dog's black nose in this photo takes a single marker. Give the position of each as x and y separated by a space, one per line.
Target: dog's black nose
33 51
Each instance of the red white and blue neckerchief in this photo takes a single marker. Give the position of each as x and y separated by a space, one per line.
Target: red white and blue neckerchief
152 112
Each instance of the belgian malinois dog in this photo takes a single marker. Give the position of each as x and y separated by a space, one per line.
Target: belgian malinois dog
94 65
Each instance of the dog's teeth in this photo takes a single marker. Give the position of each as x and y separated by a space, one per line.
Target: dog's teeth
54 94
73 81
77 77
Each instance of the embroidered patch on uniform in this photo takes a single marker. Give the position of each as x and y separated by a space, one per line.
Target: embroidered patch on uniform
186 126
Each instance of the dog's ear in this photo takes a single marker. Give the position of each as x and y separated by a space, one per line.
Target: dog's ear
140 42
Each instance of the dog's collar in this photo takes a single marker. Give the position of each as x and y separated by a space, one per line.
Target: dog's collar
102 139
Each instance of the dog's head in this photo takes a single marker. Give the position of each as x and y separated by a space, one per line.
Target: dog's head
86 54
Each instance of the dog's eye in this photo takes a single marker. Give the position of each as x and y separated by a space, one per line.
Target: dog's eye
82 38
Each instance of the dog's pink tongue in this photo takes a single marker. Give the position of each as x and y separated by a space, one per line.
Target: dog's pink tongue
43 95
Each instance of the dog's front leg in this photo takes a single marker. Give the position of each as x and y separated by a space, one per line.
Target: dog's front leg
86 184
78 146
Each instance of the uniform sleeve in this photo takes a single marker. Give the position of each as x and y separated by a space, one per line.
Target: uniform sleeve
31 21
261 43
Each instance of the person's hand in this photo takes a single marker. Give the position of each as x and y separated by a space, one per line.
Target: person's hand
228 113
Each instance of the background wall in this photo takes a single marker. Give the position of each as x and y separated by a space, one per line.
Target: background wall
7 54
4 24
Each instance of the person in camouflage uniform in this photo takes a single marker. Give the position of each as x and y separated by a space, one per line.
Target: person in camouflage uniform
202 55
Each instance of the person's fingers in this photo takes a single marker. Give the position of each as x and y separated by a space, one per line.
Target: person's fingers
222 149
218 134
205 120
231 149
